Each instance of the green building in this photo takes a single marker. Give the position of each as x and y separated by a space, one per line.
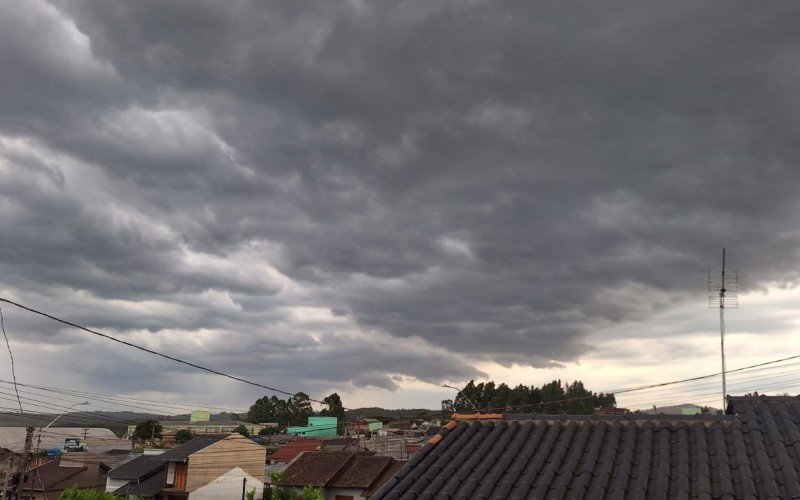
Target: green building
199 416
317 427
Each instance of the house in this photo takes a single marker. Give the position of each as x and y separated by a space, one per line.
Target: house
753 452
365 426
339 475
206 467
344 443
110 459
684 409
290 450
53 477
317 427
200 423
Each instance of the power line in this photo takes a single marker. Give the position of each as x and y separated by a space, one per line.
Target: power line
156 406
735 384
638 388
154 352
13 371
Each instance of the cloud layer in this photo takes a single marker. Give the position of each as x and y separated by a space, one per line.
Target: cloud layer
347 194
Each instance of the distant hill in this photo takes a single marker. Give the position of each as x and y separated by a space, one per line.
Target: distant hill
117 421
383 413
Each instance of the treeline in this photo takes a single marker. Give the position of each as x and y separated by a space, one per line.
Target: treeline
552 398
294 410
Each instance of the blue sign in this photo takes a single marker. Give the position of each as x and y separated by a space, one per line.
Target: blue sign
54 452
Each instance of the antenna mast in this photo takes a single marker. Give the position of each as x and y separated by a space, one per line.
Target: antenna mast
723 291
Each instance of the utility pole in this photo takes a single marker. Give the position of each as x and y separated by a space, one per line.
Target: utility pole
723 288
244 486
26 458
722 291
7 479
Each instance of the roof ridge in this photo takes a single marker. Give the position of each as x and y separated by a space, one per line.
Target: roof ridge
341 469
389 463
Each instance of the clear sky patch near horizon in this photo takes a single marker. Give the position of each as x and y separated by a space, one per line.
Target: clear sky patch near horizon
376 198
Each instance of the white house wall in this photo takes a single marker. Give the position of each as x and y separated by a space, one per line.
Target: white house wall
115 484
228 487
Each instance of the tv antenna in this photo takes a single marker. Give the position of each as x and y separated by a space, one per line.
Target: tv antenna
723 292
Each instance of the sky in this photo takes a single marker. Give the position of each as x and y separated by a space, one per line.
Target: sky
377 198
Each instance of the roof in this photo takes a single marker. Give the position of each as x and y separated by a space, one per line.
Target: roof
340 444
288 452
45 476
339 470
385 476
145 464
149 487
111 459
612 457
182 452
315 469
361 471
778 416
138 467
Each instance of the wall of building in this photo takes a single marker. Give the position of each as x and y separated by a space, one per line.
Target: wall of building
199 416
213 461
317 427
228 486
115 484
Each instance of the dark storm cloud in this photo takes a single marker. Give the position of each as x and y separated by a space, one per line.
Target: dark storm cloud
495 180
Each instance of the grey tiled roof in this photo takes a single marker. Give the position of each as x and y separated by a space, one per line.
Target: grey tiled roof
194 445
655 457
148 487
136 468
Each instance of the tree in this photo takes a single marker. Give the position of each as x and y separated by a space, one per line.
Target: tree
551 398
149 429
293 411
263 410
447 406
269 431
468 394
183 435
244 431
334 409
299 409
311 493
75 494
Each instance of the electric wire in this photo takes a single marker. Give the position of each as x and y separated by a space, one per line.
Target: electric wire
256 384
638 388
13 370
112 398
154 352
